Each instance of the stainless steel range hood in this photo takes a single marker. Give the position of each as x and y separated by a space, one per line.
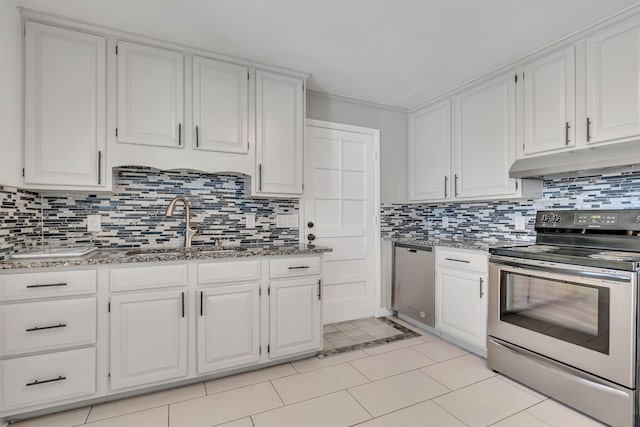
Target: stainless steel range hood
577 162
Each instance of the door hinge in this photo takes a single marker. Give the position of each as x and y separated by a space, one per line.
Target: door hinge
303 87
516 185
523 75
23 172
109 378
116 131
109 307
260 350
116 50
269 348
259 292
516 78
303 186
24 30
248 75
269 290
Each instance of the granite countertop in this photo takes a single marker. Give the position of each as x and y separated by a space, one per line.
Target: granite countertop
473 244
160 254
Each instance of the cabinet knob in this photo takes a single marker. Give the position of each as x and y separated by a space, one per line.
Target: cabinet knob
310 224
311 237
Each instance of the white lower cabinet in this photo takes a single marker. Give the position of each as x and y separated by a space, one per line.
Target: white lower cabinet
228 327
148 338
295 324
461 295
50 377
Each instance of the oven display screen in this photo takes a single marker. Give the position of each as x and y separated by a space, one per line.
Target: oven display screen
605 218
571 312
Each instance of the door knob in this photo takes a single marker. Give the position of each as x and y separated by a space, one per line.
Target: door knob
311 237
310 224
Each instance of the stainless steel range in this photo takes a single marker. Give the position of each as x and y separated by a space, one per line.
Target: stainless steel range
563 313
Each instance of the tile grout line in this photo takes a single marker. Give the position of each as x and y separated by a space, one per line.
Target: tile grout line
445 410
361 405
86 419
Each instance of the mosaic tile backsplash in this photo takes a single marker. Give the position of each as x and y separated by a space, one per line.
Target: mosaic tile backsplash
495 220
135 214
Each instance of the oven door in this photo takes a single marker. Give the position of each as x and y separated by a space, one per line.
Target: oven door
583 317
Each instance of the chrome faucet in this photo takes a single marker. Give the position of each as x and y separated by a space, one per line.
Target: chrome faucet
188 231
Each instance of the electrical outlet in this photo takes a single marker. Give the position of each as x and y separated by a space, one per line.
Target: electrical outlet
250 221
445 222
94 223
519 222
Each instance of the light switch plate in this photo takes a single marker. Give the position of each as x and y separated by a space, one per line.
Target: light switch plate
250 221
94 223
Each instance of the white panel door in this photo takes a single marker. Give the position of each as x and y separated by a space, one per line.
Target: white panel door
295 325
430 152
64 121
228 327
148 338
549 102
461 304
150 95
340 203
613 87
484 139
279 133
220 105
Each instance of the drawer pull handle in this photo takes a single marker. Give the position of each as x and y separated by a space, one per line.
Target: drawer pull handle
38 382
457 260
41 328
300 267
47 285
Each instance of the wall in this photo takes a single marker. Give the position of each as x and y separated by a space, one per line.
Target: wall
9 93
135 214
495 220
393 136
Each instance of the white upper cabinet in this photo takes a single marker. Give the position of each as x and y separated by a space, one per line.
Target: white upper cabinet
220 106
64 108
549 102
279 133
484 139
150 95
430 152
613 86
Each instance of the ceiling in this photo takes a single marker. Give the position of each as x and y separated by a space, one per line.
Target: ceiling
393 52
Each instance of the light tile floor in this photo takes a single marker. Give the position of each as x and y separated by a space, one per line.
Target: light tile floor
415 382
344 334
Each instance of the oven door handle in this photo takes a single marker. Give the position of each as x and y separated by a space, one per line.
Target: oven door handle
563 274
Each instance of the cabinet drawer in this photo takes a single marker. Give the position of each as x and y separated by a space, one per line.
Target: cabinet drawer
47 284
224 272
290 267
47 325
463 259
34 380
162 276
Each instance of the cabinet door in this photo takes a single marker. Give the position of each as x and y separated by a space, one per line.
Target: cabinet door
461 304
294 317
228 327
430 152
613 89
279 130
64 121
484 139
150 95
549 102
148 338
220 105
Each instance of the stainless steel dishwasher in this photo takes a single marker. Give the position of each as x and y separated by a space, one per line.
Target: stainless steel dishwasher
414 280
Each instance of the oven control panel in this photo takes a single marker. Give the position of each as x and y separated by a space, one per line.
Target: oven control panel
607 218
621 219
